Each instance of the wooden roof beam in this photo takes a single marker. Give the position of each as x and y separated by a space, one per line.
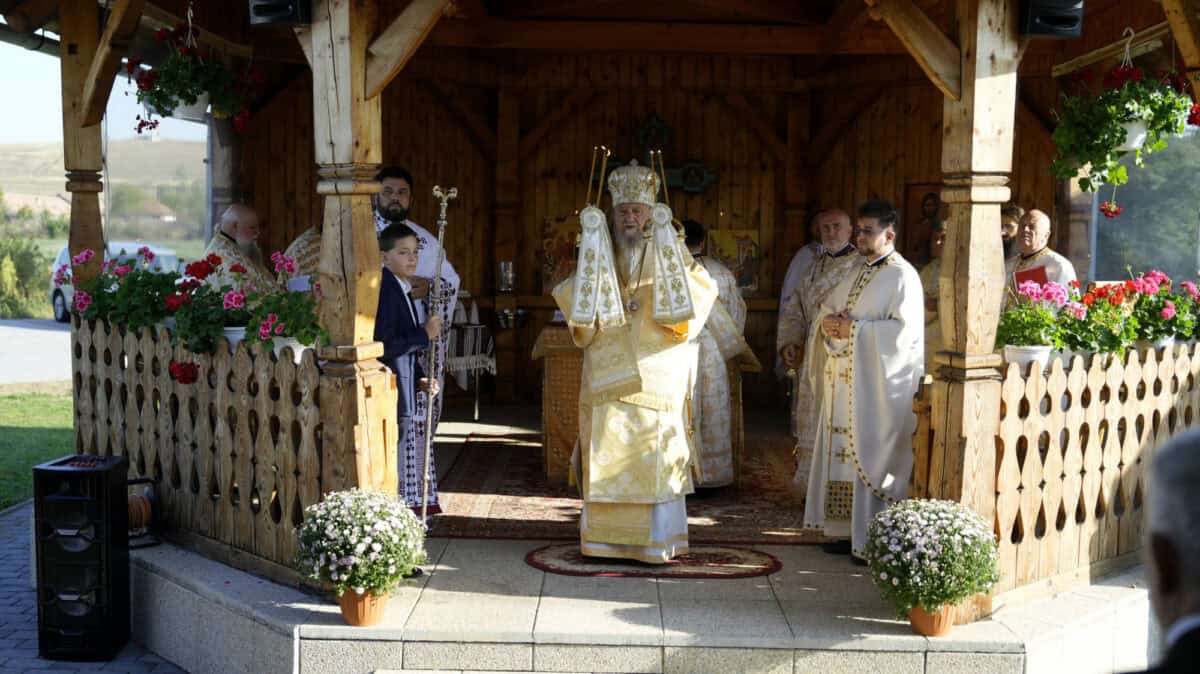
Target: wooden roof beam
304 38
649 36
766 132
114 43
934 52
485 138
389 52
30 15
530 141
1185 28
775 11
467 9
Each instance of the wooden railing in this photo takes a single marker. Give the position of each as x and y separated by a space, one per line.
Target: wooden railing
1072 453
236 456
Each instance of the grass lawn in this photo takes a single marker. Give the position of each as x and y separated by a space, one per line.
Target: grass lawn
33 428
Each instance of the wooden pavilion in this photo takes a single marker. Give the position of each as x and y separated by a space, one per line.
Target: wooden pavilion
766 110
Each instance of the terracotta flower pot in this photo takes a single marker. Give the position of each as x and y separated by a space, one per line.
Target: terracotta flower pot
936 624
362 610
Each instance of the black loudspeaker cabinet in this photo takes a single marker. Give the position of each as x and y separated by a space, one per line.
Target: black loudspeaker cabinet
1051 18
280 11
81 519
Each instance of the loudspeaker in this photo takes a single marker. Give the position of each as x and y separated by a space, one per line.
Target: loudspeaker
1051 18
81 520
280 11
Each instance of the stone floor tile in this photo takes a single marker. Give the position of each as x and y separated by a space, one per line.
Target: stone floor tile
981 636
459 656
598 621
740 589
816 627
616 589
856 662
975 663
697 660
579 658
722 622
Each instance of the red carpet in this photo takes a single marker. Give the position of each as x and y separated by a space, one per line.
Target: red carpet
496 489
704 561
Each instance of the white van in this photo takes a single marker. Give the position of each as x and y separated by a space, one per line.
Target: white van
165 260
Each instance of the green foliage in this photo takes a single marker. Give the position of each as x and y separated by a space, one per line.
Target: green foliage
285 314
55 226
140 297
359 541
930 553
24 278
1091 128
202 319
1027 323
34 428
126 200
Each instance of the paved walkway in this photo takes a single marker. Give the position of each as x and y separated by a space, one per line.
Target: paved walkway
35 350
18 614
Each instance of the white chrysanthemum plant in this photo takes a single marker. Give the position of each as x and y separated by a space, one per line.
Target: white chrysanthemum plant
359 541
930 553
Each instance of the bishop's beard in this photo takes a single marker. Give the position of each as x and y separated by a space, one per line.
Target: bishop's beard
630 256
251 250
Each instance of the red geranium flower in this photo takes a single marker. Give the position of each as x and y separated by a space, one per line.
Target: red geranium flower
1194 116
162 35
1110 209
188 285
184 373
213 259
176 300
1088 299
199 270
241 121
237 268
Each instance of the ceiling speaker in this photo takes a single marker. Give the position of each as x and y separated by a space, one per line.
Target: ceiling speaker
280 11
1061 19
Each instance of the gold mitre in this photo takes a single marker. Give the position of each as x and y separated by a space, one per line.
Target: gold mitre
633 184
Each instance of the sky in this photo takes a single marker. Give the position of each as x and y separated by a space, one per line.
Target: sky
33 79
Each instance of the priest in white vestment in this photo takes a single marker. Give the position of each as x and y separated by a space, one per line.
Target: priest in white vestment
872 330
635 304
392 205
797 269
720 343
794 334
929 283
1033 251
306 251
236 243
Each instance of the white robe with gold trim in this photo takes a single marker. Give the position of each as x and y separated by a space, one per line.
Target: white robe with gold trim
634 455
796 327
862 460
227 249
712 424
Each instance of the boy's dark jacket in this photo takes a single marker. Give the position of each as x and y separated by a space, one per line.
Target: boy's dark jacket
402 340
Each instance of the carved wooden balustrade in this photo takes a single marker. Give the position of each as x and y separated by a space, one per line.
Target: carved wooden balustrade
236 456
1072 454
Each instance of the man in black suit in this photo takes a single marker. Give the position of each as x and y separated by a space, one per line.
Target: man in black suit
398 327
1173 550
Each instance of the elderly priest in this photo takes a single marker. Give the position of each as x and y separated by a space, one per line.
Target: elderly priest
635 304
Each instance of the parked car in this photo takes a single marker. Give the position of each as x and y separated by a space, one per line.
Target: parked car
165 260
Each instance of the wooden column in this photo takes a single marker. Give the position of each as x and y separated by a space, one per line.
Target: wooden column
977 155
358 394
83 160
507 232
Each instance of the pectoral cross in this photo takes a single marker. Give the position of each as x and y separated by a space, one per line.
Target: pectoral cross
846 376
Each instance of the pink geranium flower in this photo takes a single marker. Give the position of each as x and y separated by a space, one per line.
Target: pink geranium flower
82 301
122 270
1168 311
1053 292
1030 289
85 256
264 330
1191 288
279 328
234 299
146 253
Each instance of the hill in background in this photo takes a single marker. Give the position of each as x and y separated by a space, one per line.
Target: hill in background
37 169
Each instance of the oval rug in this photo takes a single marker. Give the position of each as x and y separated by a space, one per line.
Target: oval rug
703 561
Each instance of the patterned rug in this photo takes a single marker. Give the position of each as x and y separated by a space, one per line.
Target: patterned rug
704 561
496 489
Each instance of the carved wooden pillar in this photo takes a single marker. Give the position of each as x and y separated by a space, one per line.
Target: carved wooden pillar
977 154
358 394
82 145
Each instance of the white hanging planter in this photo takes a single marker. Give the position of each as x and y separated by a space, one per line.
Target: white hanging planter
277 344
195 112
1024 355
234 335
1135 136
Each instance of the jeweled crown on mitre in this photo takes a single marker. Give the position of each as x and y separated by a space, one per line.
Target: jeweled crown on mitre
633 184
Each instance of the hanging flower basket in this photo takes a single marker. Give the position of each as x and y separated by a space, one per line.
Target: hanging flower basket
190 80
1133 113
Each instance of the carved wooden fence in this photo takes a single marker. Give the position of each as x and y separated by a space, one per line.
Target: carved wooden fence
236 456
1072 454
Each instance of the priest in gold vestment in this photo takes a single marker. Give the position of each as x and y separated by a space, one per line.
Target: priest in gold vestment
236 243
635 304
